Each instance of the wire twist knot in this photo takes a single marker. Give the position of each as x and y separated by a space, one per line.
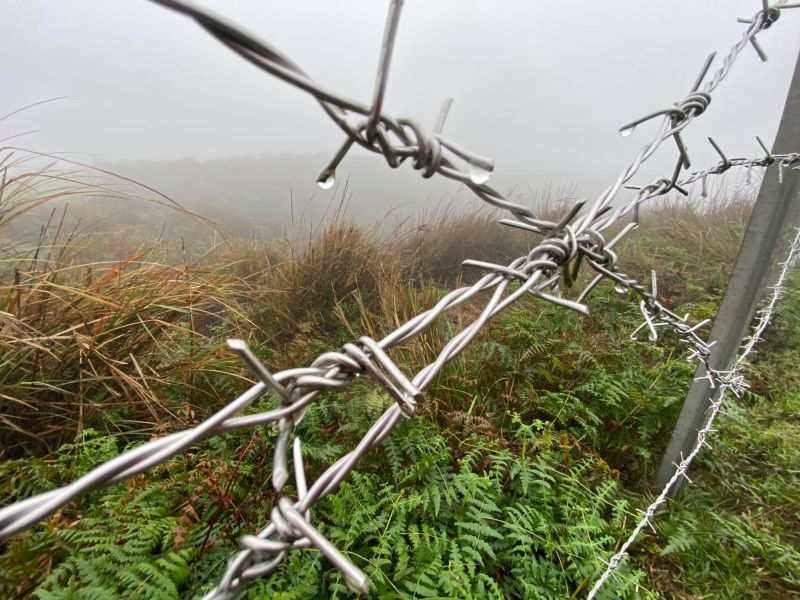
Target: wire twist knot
401 139
768 17
295 531
695 103
378 364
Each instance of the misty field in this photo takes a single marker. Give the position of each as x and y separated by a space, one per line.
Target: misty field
525 463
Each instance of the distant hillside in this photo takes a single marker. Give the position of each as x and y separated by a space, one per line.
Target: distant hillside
254 193
251 196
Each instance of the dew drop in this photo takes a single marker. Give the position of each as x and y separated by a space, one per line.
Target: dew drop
627 131
326 180
479 174
780 172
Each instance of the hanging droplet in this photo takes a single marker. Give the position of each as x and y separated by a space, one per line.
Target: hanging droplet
620 289
703 189
479 174
780 172
749 179
326 180
626 131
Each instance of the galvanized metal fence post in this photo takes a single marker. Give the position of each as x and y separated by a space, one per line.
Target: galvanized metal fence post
776 206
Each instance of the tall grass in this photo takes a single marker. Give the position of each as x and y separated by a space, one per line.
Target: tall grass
134 343
692 244
92 341
109 337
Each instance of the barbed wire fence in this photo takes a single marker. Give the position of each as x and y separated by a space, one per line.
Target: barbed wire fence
722 382
576 238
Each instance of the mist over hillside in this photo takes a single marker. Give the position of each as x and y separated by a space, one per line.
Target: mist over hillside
168 107
275 196
247 192
260 194
263 197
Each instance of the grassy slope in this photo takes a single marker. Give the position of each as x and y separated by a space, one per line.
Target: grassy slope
532 452
736 533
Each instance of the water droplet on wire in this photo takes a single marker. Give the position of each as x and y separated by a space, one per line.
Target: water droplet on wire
326 181
626 131
479 174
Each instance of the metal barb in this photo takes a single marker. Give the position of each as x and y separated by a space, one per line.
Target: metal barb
726 164
251 360
389 35
703 72
759 50
444 110
768 158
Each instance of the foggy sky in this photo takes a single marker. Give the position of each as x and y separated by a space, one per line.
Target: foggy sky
542 87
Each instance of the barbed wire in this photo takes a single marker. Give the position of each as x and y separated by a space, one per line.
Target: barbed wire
557 258
400 139
731 380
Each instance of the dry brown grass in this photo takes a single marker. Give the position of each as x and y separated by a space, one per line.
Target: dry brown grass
97 342
82 342
136 342
691 244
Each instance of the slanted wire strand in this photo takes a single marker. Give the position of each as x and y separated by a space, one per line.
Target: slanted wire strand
268 58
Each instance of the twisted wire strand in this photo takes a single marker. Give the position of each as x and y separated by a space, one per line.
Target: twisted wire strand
655 187
565 246
692 106
722 382
152 453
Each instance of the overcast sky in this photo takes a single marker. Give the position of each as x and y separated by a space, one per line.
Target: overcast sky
540 86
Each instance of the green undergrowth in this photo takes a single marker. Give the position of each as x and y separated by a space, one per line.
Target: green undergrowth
509 484
523 467
736 532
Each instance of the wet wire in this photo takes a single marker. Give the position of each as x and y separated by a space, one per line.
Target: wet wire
576 238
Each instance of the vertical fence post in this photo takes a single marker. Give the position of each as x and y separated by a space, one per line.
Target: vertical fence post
775 207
